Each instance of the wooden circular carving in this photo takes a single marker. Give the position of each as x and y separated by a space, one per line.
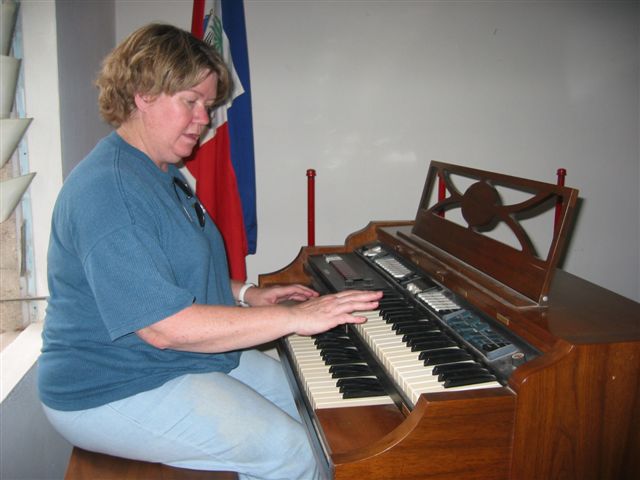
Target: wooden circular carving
479 204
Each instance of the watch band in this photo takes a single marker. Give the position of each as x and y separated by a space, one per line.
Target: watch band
243 290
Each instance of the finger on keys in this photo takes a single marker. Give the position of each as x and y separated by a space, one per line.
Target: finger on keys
359 301
359 295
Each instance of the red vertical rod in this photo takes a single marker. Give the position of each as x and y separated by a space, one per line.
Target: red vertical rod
197 18
442 193
311 207
562 173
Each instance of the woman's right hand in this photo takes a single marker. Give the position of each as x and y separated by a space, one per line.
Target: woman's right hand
320 314
217 328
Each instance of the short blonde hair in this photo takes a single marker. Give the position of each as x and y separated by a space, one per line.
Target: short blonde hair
153 60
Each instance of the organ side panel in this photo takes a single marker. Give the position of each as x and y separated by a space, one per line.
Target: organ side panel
577 420
446 436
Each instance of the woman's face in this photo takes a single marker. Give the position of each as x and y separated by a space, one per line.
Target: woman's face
172 124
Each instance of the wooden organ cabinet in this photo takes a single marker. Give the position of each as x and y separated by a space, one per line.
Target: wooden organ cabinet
484 360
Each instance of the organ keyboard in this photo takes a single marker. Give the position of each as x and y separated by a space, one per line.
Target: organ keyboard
483 360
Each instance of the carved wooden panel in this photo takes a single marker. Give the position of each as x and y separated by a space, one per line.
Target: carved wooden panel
481 209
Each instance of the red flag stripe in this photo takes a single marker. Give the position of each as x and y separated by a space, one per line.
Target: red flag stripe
197 18
217 189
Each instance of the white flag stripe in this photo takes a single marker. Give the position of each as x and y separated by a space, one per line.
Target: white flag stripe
214 34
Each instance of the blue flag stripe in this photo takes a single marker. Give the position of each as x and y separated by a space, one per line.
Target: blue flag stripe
240 118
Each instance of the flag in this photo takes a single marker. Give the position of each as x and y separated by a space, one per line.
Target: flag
223 163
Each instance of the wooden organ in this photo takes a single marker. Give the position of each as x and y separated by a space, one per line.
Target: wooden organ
484 360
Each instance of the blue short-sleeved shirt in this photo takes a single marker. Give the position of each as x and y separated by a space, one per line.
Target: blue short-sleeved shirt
124 254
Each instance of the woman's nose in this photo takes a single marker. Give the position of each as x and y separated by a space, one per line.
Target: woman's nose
202 115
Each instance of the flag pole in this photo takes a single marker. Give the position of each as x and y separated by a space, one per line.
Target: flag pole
561 174
311 207
197 19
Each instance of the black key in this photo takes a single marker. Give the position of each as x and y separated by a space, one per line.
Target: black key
389 302
341 352
454 356
326 337
463 374
412 337
402 317
426 335
340 359
395 325
416 327
389 305
426 344
397 307
441 352
436 343
452 367
350 370
471 380
395 316
333 339
359 382
350 351
334 332
405 322
408 318
354 389
364 393
392 294
328 342
348 373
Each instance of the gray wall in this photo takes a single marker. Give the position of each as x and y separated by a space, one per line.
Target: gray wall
86 33
31 449
369 92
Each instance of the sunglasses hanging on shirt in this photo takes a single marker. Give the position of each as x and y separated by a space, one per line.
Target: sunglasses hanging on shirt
188 193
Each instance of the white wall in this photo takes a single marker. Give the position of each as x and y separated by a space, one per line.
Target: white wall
40 67
367 93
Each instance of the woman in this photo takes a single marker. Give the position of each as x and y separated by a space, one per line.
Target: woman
146 354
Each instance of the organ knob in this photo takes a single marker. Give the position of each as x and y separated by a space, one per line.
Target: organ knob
517 359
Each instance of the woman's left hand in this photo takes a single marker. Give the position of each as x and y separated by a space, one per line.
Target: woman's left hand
259 297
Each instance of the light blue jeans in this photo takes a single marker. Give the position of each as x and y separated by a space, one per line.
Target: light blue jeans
245 421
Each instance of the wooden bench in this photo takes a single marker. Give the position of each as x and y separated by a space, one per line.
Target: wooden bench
84 465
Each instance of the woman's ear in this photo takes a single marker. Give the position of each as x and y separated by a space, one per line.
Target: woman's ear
143 101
